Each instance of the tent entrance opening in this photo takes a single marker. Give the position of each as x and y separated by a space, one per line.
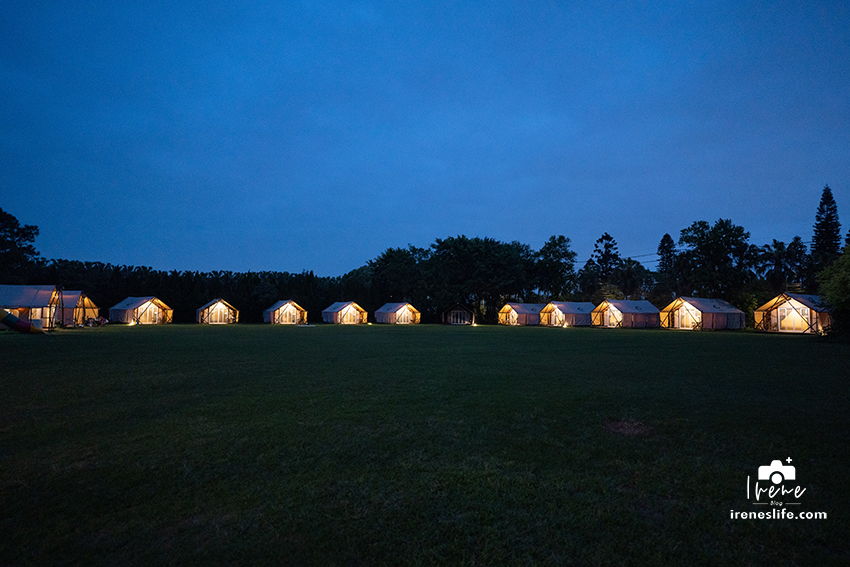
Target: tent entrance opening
793 320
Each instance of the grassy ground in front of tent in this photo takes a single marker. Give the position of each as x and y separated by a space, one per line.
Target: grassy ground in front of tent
331 445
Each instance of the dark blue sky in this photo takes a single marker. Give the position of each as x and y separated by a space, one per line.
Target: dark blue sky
314 135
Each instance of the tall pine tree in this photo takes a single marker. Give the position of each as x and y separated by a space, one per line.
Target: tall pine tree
666 255
826 244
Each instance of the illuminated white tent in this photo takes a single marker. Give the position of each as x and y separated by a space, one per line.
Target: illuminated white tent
285 312
34 303
566 314
141 311
700 313
458 314
793 313
625 313
344 313
520 313
76 309
217 312
397 314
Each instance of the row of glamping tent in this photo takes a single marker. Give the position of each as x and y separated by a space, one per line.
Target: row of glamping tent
787 313
45 307
682 313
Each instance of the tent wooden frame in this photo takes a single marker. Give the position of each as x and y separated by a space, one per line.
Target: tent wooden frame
202 315
273 314
20 300
566 314
139 307
763 320
519 314
82 310
713 314
634 314
389 314
337 313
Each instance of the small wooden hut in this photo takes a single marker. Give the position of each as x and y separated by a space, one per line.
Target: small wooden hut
458 314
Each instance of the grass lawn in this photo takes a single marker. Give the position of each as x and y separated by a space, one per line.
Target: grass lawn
365 445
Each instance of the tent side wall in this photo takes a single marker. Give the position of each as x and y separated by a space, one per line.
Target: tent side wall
577 320
121 315
84 312
384 317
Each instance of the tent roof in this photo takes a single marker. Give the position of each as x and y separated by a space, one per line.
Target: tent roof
26 295
281 303
71 297
813 302
459 306
393 307
340 305
136 302
572 307
526 308
629 306
704 305
213 302
76 299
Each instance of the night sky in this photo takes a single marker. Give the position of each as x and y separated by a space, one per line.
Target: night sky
294 136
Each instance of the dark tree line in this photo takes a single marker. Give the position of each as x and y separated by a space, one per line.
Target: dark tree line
707 260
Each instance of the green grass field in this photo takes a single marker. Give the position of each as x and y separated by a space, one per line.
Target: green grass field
416 445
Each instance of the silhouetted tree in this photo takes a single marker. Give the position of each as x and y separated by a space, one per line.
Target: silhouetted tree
397 275
631 277
17 253
605 256
826 242
718 260
588 280
666 255
835 291
555 268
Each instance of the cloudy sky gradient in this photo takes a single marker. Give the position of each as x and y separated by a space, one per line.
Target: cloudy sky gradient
297 136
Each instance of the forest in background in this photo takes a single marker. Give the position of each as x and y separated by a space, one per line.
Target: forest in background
707 260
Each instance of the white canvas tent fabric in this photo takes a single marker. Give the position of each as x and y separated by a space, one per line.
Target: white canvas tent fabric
566 314
793 313
520 313
285 312
217 312
344 313
625 313
141 311
34 303
397 314
76 309
458 314
694 313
